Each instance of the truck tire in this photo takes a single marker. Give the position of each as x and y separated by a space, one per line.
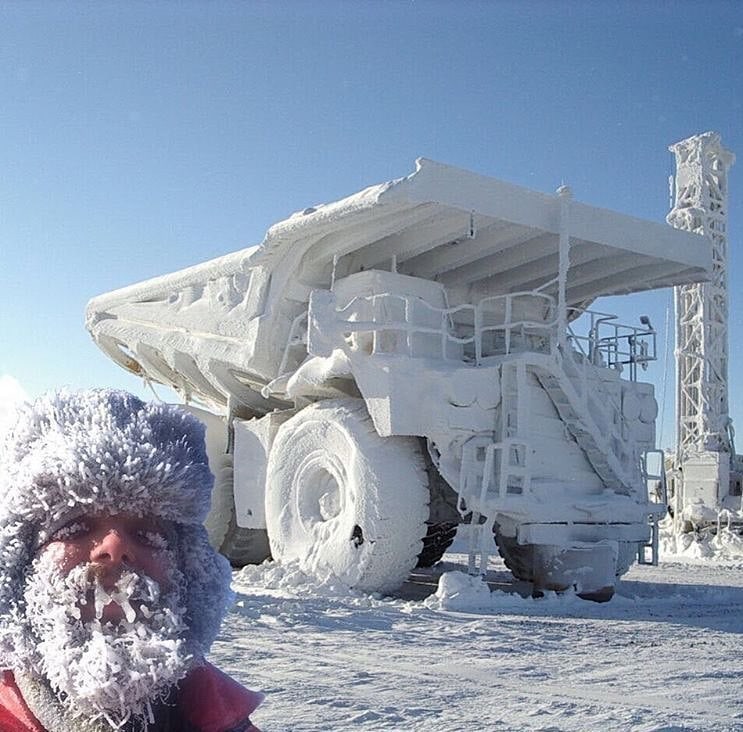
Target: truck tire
342 499
241 546
519 558
626 557
438 539
526 564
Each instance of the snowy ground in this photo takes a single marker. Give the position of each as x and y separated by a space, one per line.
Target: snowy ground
664 654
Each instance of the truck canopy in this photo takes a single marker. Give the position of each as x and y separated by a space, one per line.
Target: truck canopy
465 229
449 224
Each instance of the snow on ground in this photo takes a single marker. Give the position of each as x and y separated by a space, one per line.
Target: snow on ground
448 653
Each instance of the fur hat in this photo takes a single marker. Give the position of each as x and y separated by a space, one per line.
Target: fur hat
105 450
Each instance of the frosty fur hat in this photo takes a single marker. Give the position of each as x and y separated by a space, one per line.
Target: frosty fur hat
105 450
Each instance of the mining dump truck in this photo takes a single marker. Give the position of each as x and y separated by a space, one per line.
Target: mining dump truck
419 355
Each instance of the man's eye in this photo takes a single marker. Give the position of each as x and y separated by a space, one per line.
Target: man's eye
73 530
154 539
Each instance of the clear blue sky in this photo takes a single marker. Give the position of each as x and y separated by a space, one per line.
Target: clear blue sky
139 138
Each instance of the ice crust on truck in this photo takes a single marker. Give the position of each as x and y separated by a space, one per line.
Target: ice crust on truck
418 355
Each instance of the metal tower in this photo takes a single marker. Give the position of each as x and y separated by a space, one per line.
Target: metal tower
705 451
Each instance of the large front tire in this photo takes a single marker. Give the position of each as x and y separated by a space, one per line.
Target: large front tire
339 497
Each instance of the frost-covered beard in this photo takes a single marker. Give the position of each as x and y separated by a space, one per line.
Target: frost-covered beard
102 670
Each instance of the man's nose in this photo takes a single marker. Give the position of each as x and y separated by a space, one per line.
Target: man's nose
113 547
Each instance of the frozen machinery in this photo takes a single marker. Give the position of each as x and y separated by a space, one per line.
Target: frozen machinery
385 367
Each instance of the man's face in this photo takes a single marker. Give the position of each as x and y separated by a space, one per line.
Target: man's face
111 544
104 605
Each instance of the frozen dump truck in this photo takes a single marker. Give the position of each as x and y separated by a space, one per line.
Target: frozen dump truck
383 368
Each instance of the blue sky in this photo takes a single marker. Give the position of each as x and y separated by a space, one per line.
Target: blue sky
139 138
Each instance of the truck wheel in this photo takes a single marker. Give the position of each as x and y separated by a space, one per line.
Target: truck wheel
341 498
626 557
557 568
519 558
240 546
437 540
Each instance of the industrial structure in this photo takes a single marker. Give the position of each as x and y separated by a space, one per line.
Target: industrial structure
705 475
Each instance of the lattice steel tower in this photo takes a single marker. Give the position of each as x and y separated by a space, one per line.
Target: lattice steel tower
703 429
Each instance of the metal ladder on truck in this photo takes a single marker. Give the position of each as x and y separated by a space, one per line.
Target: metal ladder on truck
498 468
659 478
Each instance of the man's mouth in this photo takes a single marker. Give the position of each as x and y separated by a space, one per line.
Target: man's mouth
110 600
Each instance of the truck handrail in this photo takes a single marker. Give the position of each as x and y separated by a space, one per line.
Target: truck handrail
447 323
464 326
625 345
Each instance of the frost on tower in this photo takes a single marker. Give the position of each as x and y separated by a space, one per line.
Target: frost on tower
706 476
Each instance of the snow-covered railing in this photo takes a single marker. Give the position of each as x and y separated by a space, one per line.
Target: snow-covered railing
408 325
496 326
615 345
515 331
394 321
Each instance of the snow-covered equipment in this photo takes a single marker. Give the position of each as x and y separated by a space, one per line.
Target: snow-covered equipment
383 368
705 474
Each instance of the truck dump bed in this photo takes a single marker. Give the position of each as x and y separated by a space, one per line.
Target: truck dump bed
224 328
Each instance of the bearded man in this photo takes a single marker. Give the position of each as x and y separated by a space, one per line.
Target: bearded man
110 594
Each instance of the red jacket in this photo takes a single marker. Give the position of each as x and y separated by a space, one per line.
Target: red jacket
209 700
